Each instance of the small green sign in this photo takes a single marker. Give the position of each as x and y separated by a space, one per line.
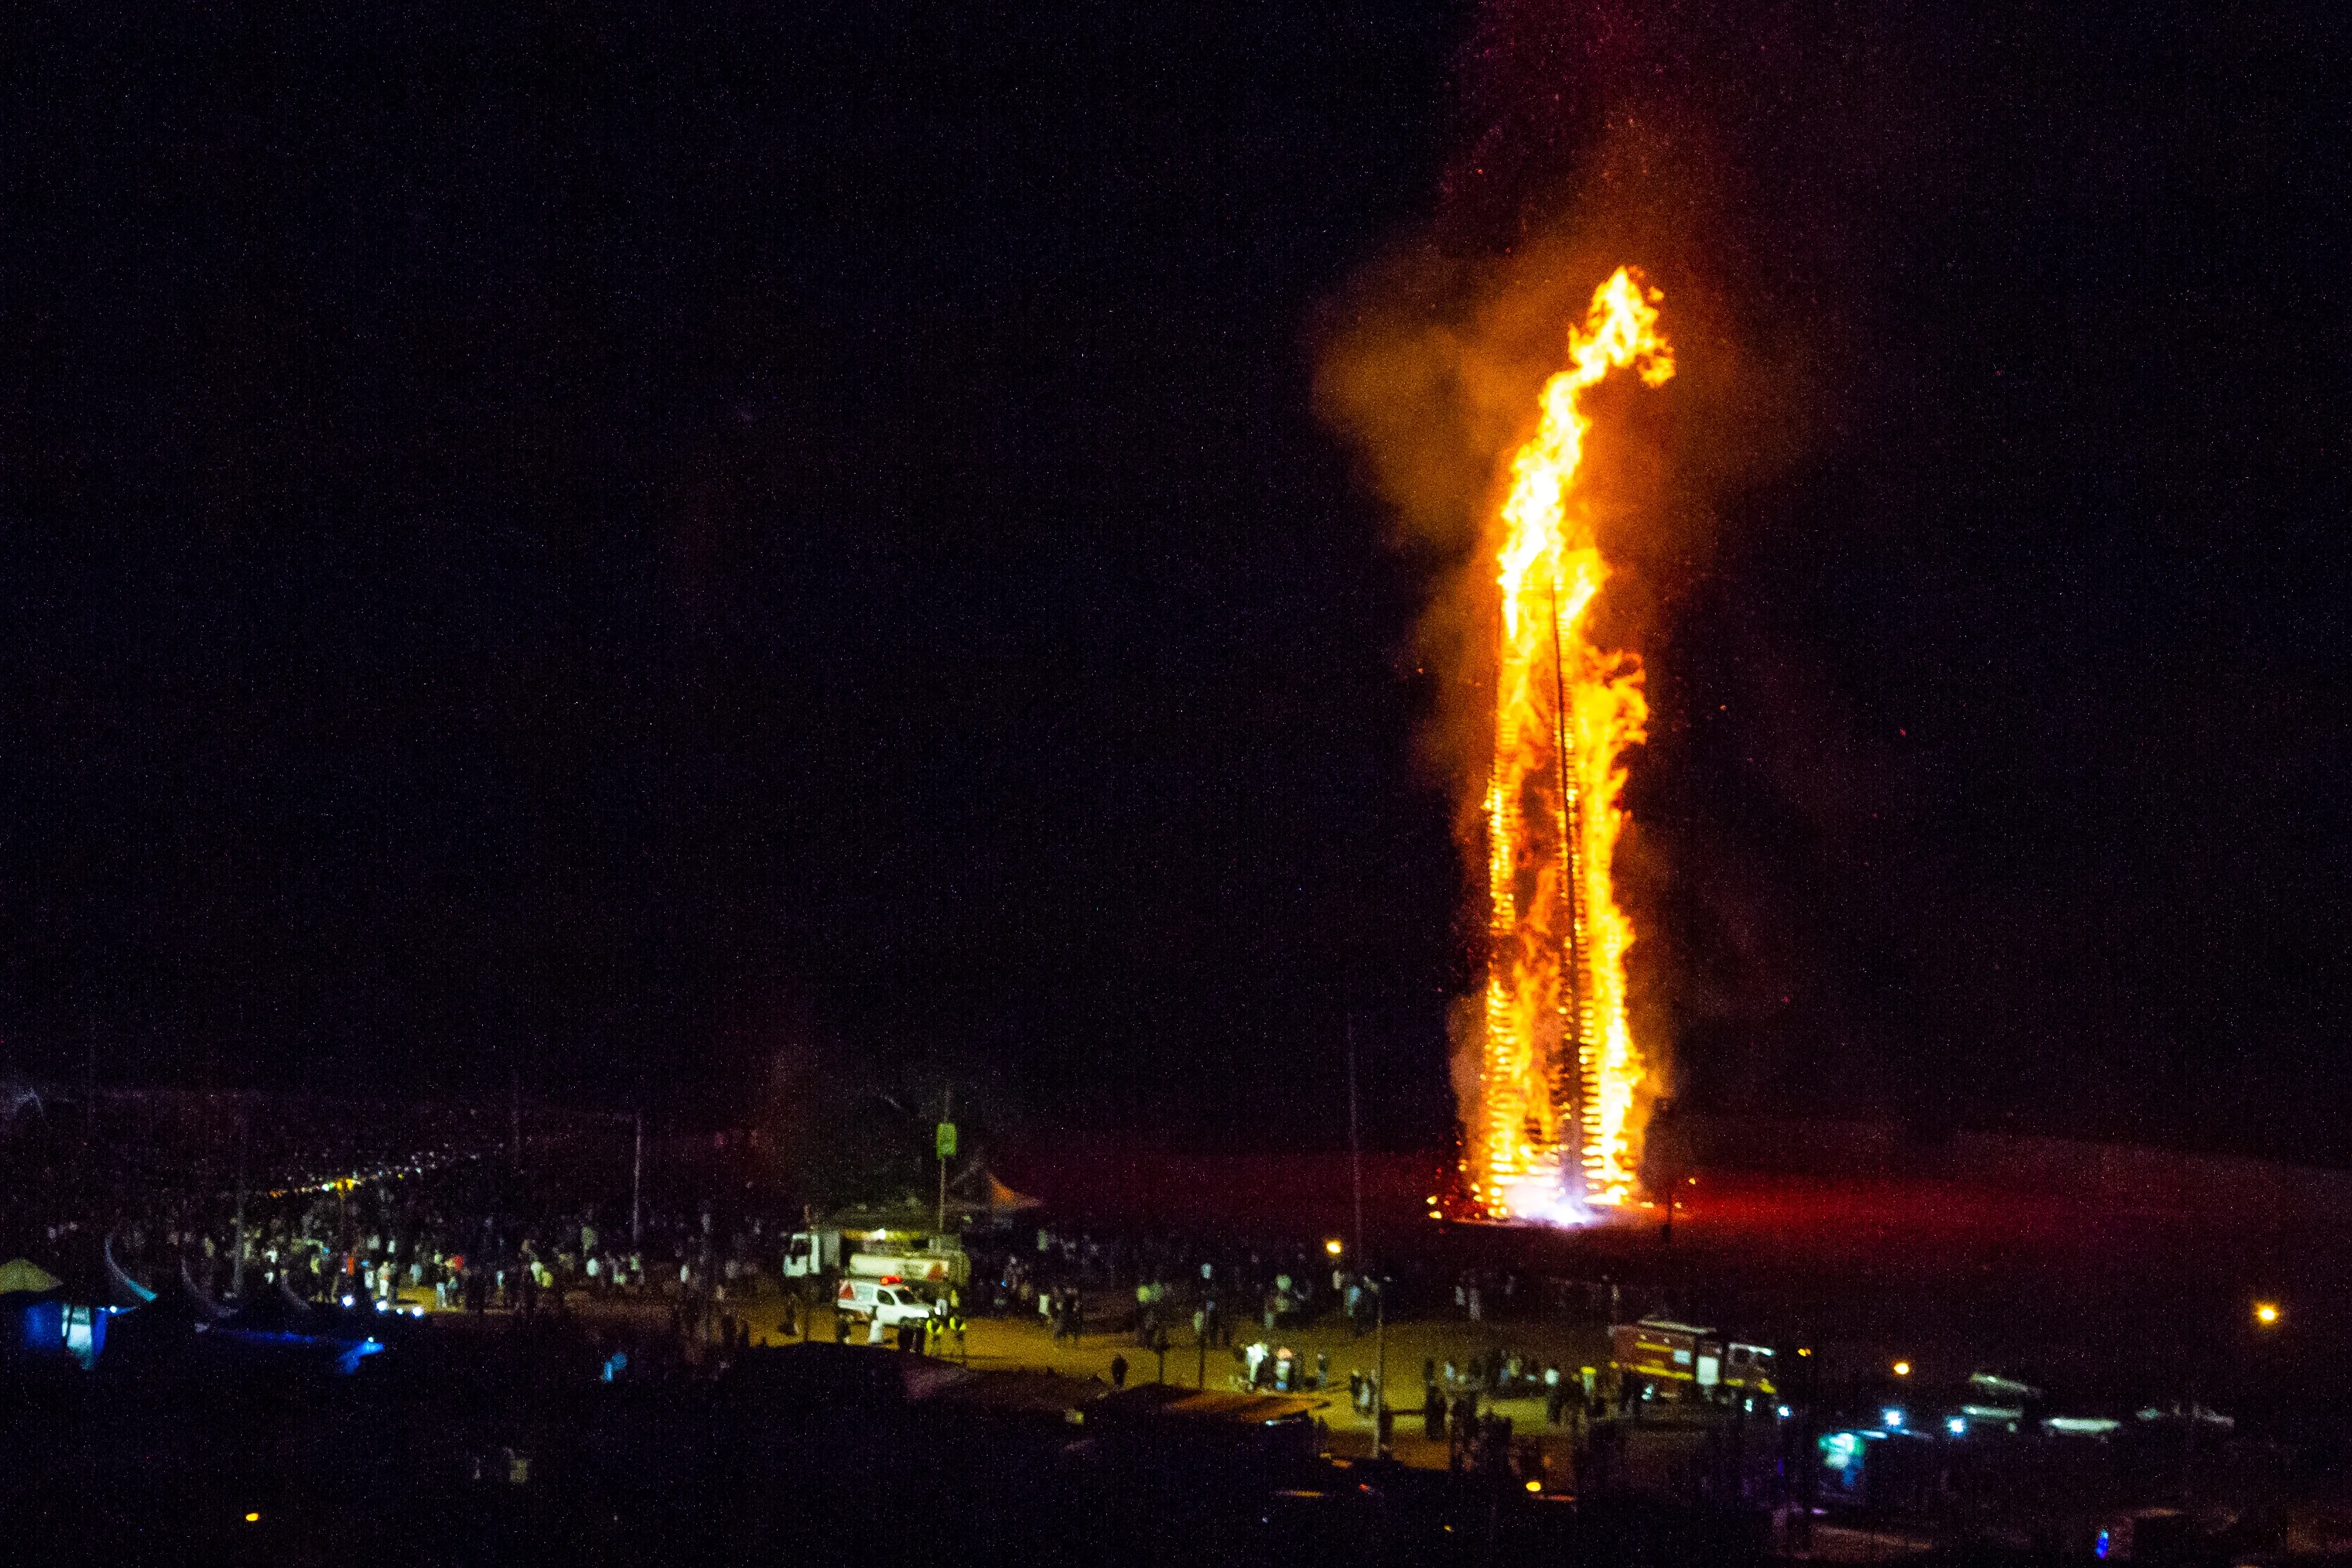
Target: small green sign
947 1140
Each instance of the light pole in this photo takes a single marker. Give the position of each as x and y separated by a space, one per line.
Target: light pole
1381 1378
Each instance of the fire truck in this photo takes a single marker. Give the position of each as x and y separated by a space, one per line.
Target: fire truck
1658 1358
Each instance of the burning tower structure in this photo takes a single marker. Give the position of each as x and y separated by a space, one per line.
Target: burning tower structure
1553 1131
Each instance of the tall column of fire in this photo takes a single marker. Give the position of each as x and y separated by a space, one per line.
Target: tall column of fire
1553 1129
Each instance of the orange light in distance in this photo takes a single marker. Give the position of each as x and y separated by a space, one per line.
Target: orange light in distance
2266 1313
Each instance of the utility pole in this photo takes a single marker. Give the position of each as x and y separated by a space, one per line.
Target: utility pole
1362 1264
637 1187
236 1258
946 1147
1355 1147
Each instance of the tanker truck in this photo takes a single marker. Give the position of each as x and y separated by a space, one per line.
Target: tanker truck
935 1261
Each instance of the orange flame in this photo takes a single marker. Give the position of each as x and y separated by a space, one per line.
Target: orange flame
1554 1129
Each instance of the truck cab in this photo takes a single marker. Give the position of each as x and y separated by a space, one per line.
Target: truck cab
812 1254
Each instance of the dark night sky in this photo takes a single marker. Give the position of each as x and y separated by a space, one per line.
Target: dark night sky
618 541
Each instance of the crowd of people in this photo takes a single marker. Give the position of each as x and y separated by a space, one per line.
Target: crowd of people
1216 1286
475 1235
469 1236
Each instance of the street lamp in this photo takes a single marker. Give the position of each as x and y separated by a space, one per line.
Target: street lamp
2266 1313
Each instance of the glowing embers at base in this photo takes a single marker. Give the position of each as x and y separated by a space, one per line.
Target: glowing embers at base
1554 1133
1541 1196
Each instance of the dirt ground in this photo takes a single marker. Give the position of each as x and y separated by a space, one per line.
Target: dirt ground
1024 1342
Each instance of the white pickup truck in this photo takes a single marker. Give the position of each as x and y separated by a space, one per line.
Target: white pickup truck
891 1303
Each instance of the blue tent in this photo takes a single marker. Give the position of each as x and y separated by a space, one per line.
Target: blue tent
32 1313
63 1310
